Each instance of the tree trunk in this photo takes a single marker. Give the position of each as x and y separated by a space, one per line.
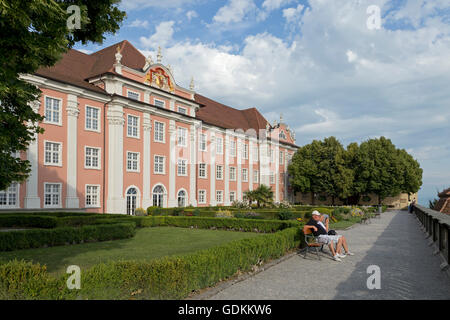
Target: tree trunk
313 199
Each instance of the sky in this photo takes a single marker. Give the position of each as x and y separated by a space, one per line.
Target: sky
326 65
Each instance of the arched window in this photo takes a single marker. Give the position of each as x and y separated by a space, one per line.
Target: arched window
181 198
158 196
132 200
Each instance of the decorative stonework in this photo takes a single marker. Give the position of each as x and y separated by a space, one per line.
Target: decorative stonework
160 79
116 120
35 105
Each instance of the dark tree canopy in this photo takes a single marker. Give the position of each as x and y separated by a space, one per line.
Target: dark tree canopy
376 166
35 34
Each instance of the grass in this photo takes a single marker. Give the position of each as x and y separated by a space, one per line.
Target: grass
149 243
344 224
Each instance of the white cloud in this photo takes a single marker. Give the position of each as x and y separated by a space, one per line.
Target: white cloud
351 56
162 37
234 11
191 14
139 4
271 5
139 24
293 15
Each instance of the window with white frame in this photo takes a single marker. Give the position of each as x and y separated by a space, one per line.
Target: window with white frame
159 164
219 172
219 145
133 126
159 131
92 196
272 178
133 161
245 151
201 196
92 119
232 148
281 158
133 95
282 135
52 110
255 176
255 153
92 158
233 173
202 142
9 198
202 171
244 174
271 154
53 153
182 110
182 137
160 103
52 195
219 196
232 196
182 167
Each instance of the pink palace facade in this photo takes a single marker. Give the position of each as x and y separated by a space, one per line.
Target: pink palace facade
121 134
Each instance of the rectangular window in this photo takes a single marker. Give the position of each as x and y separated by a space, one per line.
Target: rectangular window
182 137
92 158
133 126
182 167
219 196
219 172
52 195
92 119
202 170
271 154
159 165
52 110
133 95
281 158
255 176
9 198
272 178
245 175
53 153
201 196
133 161
232 196
245 151
202 142
159 131
233 173
160 103
219 145
232 148
182 110
92 196
255 153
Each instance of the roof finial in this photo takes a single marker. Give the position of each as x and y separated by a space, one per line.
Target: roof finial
148 62
159 56
118 55
192 85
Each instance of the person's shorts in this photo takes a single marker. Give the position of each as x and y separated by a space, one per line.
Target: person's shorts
326 239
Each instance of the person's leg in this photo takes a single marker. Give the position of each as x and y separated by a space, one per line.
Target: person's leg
331 246
339 245
344 243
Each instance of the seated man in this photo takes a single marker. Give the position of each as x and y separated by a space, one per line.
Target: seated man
319 230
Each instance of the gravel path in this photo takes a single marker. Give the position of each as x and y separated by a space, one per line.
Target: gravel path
394 242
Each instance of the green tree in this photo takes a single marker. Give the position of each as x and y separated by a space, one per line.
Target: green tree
263 196
35 34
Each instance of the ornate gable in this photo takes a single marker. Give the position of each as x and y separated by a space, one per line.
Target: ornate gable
160 78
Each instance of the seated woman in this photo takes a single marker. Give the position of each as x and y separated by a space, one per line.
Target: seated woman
320 231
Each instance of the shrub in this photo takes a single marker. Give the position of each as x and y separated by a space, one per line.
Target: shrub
224 214
140 212
26 239
177 212
154 211
22 221
285 215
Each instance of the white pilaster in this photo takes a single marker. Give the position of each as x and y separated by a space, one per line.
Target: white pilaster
239 146
72 200
172 165
32 200
212 175
250 165
172 104
277 173
147 197
227 170
193 166
115 200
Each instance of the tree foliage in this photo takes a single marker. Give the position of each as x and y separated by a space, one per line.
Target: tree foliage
263 196
35 34
376 166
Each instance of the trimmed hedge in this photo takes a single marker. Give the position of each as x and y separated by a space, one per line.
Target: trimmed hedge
36 238
25 221
166 278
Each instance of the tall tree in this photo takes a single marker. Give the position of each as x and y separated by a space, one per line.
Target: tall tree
34 34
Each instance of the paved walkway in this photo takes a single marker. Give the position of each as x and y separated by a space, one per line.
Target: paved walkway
395 243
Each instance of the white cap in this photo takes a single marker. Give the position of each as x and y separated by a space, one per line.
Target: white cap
316 213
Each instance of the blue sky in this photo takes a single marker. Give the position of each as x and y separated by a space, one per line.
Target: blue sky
317 63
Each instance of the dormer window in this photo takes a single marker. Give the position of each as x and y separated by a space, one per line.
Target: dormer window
159 103
282 135
182 110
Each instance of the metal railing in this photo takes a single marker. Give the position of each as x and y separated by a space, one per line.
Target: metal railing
437 227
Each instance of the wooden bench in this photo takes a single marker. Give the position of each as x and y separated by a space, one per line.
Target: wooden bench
311 243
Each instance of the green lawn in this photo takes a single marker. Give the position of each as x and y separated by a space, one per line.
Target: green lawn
344 224
149 243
